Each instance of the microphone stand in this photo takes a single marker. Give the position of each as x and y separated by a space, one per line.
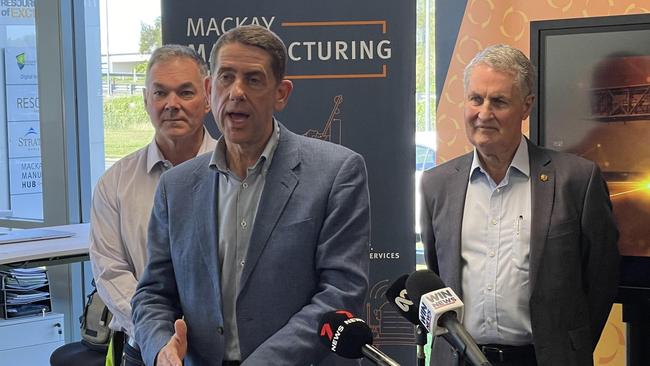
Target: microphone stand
421 341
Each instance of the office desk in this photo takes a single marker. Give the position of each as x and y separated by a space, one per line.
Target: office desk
50 251
32 339
68 286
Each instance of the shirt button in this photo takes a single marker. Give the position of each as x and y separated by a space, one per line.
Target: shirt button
489 287
245 185
242 263
491 253
243 224
494 221
220 330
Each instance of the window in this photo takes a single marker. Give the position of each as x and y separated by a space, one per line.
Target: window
20 151
124 59
61 153
425 102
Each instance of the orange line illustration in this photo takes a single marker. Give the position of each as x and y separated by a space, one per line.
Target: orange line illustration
338 23
326 134
384 72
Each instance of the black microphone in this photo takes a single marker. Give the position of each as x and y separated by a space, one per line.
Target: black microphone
439 309
350 337
397 295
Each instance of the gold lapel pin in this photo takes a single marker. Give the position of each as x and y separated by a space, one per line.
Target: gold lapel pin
543 177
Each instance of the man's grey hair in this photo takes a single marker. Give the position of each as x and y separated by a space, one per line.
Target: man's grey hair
173 51
504 58
257 36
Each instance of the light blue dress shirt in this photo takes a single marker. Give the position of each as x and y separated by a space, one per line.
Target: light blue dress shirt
238 202
495 249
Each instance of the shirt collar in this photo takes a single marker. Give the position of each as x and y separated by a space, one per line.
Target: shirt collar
155 156
218 160
520 161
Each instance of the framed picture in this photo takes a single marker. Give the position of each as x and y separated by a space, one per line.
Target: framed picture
593 100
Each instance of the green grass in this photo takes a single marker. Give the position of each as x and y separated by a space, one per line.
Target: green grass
126 125
121 142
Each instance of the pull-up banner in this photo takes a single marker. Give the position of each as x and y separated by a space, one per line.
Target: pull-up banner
352 64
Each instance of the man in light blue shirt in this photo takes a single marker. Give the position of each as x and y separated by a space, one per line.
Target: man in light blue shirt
526 235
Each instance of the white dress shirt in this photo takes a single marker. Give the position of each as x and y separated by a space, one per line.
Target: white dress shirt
120 213
495 248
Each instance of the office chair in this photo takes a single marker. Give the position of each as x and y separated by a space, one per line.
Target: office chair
77 354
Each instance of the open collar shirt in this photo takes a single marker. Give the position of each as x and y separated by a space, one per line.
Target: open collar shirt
238 202
121 208
495 249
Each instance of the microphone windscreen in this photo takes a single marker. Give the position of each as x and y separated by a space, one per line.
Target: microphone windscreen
397 295
344 334
422 282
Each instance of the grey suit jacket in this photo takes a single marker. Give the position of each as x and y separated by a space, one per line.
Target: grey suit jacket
308 254
574 259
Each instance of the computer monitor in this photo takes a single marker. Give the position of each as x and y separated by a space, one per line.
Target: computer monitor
593 100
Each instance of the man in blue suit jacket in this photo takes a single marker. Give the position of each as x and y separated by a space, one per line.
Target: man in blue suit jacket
252 244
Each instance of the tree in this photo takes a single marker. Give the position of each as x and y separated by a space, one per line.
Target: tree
150 36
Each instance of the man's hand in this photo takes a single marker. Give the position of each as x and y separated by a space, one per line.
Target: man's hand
174 351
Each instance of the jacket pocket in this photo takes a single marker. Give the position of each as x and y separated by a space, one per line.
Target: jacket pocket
563 228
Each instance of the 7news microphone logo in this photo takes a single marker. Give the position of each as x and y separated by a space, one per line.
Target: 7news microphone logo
326 329
341 319
334 336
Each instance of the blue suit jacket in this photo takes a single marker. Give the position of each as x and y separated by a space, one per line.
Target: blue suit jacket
308 254
573 253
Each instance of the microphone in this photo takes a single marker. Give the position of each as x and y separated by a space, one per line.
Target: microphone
397 295
350 337
439 312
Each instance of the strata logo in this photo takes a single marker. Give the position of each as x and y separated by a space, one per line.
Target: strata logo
346 49
21 60
30 139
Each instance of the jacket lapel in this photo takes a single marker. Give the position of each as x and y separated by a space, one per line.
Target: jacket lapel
542 175
205 189
281 181
457 184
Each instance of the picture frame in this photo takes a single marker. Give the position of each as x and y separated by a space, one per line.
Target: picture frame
593 100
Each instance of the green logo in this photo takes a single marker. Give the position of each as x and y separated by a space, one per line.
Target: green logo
20 60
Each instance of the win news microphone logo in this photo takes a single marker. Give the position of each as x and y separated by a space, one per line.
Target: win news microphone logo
436 303
441 298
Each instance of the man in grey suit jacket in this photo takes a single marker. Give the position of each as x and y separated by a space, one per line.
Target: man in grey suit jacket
526 235
251 245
